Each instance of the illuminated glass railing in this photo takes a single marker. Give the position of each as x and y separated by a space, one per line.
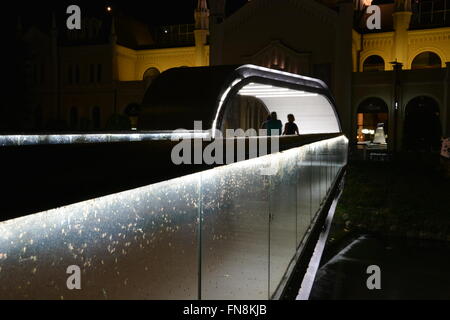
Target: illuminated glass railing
101 137
226 233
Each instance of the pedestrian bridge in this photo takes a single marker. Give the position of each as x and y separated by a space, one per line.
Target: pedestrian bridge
140 227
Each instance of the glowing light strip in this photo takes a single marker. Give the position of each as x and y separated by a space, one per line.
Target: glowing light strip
281 93
24 140
292 75
313 266
250 91
221 101
272 92
257 86
286 95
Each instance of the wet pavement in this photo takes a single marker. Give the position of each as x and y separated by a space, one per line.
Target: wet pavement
410 269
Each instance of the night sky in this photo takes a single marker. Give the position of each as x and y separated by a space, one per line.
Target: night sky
152 12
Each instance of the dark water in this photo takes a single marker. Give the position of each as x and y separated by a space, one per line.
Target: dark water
410 269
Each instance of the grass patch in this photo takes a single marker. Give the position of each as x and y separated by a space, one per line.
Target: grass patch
408 197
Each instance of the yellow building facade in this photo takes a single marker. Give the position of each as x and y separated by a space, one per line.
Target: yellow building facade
131 65
388 46
401 79
86 80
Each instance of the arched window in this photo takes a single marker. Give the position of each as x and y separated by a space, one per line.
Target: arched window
426 60
96 117
372 113
151 74
373 63
73 118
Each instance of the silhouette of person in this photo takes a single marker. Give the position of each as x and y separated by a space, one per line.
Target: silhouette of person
290 128
274 125
264 124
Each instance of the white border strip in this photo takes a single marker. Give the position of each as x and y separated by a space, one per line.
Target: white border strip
86 138
310 275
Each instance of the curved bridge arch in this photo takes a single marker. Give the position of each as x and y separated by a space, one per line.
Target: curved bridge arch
204 94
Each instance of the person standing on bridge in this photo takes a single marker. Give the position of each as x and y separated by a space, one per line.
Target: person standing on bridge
290 128
274 125
264 124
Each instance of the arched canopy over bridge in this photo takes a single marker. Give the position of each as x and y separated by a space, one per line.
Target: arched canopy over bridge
180 96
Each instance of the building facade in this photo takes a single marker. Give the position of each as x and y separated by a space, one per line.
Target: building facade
88 79
401 76
396 76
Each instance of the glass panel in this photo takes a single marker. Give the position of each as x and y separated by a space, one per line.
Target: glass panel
283 207
235 232
343 151
144 243
329 165
332 159
303 193
323 171
315 181
139 244
336 157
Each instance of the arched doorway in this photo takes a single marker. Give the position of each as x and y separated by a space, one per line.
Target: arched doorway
373 63
372 113
426 60
422 127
